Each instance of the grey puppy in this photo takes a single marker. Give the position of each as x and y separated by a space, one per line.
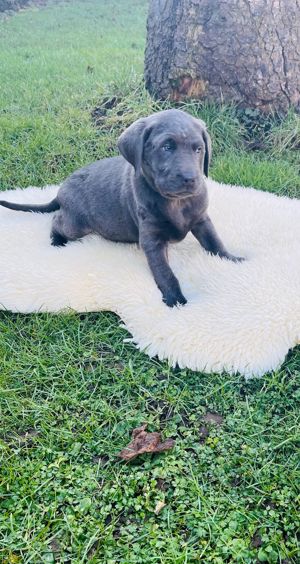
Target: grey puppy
152 195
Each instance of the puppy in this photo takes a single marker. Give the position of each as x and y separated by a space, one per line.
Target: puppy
154 194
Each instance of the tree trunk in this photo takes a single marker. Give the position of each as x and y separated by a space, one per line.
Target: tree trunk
12 4
242 51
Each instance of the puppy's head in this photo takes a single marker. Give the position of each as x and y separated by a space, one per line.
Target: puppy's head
171 149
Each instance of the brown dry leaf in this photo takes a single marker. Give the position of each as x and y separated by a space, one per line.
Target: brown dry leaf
159 506
142 442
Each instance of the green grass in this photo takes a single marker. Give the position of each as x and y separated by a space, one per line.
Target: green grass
55 64
71 390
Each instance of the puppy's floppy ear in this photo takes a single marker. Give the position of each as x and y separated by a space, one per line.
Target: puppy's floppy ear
131 142
207 143
207 156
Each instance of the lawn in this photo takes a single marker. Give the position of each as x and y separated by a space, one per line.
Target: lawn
71 389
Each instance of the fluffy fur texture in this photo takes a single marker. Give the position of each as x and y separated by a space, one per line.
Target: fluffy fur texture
239 317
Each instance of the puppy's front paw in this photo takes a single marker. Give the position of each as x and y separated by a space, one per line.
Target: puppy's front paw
231 257
237 259
172 299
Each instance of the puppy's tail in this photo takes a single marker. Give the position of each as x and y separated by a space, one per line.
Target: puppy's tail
43 208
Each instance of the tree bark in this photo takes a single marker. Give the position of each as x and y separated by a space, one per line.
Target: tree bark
12 4
242 51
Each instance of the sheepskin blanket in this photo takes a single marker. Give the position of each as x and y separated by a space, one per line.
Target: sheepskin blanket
239 317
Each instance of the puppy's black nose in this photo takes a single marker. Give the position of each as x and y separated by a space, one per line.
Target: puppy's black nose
187 178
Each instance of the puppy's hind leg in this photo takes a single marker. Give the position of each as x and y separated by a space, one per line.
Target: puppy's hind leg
65 228
58 240
58 236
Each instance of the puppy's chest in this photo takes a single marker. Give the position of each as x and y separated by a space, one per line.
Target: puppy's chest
179 220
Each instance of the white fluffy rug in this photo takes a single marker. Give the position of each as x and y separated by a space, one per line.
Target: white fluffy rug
239 317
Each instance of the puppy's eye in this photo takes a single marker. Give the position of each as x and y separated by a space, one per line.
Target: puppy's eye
168 146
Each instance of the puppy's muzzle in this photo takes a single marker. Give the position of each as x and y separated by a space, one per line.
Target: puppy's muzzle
187 179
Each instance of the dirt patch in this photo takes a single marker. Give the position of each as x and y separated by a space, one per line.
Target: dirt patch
28 435
102 460
236 481
214 418
256 541
55 546
204 433
161 484
162 408
99 114
106 104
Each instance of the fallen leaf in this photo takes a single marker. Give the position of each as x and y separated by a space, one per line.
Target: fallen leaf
142 442
159 506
